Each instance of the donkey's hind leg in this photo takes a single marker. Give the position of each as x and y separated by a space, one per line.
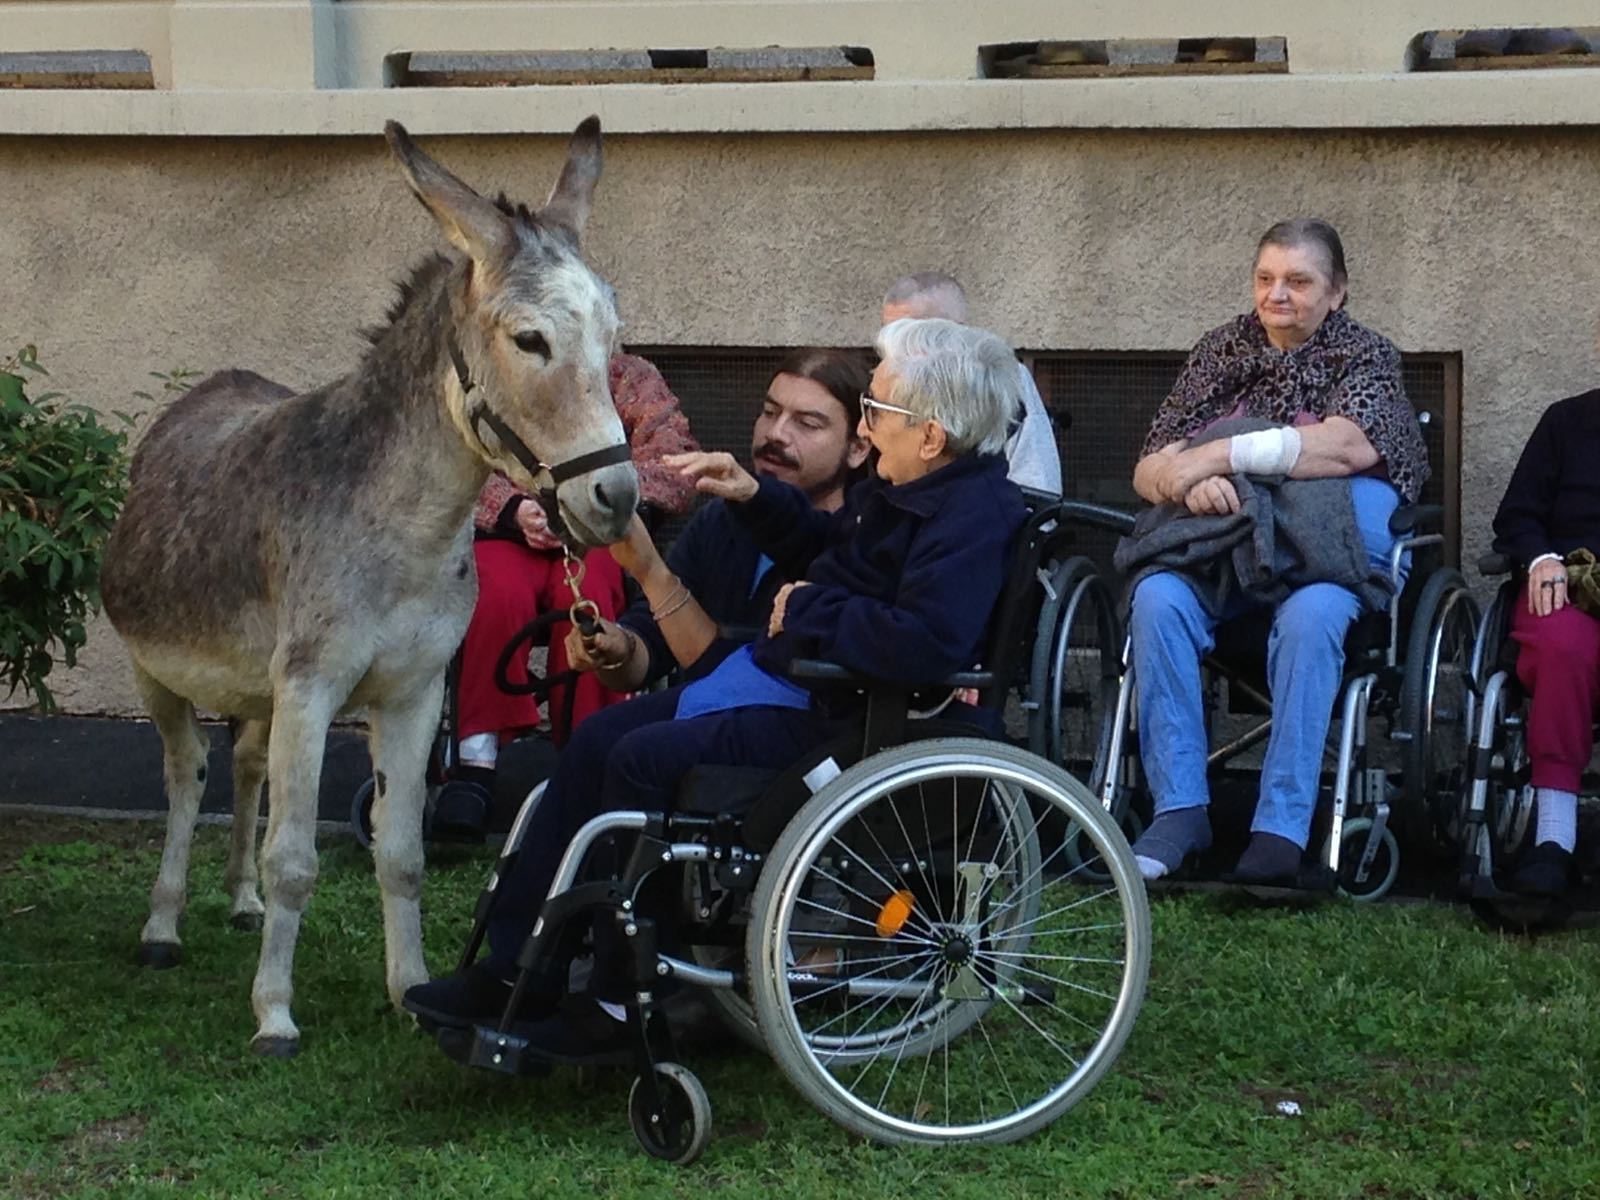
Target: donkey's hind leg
401 734
184 747
249 769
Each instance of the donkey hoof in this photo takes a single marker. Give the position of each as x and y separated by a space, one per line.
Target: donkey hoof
160 956
246 922
276 1047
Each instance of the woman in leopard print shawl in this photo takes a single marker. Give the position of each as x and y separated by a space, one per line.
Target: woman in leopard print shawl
1343 370
1300 361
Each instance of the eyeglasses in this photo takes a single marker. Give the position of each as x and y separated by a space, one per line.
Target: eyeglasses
869 406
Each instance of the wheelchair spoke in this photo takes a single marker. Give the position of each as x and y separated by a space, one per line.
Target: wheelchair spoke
834 912
888 887
871 904
1078 903
983 1030
1034 1025
905 834
883 1003
1077 987
1032 957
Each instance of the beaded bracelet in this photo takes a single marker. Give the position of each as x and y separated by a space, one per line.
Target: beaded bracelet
676 601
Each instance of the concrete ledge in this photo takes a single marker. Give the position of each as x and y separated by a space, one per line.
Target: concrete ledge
1443 100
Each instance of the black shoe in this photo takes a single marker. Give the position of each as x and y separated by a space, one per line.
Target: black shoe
476 996
580 1032
461 811
1546 870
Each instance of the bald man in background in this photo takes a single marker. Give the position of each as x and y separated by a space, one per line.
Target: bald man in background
1031 448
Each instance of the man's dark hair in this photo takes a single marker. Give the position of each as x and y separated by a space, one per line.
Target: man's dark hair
843 372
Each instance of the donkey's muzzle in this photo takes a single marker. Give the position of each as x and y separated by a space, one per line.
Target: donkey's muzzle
597 506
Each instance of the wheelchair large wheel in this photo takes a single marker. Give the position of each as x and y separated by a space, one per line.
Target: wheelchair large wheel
1436 708
1072 682
977 994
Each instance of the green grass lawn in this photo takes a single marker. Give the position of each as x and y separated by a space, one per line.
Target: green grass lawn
1428 1057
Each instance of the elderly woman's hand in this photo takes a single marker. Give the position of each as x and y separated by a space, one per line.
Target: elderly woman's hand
717 473
1213 497
780 604
1191 467
1547 587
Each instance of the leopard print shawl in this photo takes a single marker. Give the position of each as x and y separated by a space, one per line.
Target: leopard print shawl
1342 370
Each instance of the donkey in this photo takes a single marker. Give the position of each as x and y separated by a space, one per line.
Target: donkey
283 558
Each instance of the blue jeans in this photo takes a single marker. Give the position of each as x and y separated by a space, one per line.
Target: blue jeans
1171 632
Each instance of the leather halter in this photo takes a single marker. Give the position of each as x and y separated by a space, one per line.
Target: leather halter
480 414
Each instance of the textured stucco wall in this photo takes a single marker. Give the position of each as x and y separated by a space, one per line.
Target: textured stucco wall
126 256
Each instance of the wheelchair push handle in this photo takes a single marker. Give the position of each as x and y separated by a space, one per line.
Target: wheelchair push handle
1491 565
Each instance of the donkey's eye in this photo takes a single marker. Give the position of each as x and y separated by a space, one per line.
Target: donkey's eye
532 343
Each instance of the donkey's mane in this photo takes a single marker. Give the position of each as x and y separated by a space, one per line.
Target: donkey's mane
424 277
428 273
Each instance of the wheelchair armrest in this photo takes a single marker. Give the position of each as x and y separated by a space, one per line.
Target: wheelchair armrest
1098 515
1491 565
740 633
1416 518
823 671
831 672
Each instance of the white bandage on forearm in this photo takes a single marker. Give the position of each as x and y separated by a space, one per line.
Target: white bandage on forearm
1265 452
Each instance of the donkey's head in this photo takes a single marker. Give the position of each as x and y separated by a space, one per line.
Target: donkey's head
534 331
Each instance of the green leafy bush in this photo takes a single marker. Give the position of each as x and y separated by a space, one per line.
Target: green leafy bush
63 474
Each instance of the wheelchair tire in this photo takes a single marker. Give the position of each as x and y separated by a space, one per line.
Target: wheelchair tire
1072 680
1385 863
1038 972
681 1129
361 812
1436 706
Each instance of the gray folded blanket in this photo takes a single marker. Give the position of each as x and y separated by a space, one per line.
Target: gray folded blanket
1286 534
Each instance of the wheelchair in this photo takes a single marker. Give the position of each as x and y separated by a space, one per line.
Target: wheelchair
1408 666
1493 823
881 918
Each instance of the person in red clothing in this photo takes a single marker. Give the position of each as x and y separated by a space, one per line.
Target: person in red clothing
520 575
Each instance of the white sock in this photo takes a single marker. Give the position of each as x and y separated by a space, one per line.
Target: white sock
480 750
615 1011
1558 818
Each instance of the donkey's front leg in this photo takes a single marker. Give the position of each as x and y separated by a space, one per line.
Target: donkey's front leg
401 736
249 769
301 713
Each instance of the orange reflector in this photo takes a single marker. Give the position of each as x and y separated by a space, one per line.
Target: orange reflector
894 914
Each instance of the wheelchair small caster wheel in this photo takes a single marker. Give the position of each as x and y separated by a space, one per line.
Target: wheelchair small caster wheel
681 1128
361 813
1385 862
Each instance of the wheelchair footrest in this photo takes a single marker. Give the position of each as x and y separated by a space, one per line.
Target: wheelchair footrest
503 1052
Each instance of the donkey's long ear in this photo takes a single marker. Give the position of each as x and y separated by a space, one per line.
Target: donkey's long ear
573 193
473 224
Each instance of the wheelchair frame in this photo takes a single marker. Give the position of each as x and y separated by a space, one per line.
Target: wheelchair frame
1361 853
977 970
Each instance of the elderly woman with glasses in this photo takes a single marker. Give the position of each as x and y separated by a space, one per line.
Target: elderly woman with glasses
897 585
1329 391
1550 510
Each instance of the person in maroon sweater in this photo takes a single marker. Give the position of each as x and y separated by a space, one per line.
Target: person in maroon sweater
1551 508
520 576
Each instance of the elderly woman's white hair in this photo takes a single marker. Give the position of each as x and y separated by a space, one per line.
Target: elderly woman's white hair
966 379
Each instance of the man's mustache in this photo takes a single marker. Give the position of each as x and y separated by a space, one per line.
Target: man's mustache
775 453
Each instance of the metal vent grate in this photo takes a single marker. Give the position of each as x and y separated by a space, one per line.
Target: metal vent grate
1102 404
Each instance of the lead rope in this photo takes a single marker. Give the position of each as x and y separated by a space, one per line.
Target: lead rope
584 613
